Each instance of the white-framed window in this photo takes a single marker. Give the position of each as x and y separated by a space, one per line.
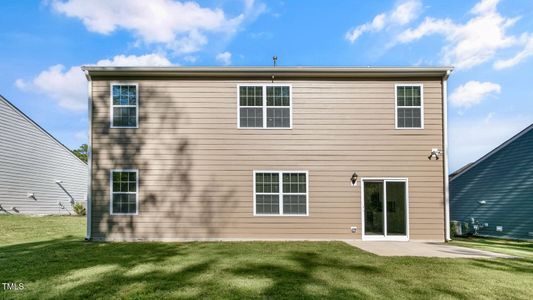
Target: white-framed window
264 106
124 105
281 193
409 106
124 185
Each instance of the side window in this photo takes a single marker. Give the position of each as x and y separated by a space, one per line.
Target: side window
281 193
124 189
278 106
124 106
264 106
251 106
409 106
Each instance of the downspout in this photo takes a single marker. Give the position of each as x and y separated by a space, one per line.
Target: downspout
89 160
445 156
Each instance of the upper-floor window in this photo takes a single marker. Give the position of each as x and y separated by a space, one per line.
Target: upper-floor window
264 106
124 105
409 106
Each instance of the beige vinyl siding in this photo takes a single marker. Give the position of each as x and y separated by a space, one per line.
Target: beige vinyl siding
195 166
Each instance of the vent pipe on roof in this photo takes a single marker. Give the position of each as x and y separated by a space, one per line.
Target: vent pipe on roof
274 60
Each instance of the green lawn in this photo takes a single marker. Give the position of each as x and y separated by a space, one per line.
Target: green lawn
511 247
48 255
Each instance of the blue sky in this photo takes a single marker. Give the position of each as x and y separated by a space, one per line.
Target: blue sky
489 42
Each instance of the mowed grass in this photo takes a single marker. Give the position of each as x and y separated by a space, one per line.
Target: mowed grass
48 255
511 247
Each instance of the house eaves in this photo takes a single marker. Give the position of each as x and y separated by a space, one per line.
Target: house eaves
268 72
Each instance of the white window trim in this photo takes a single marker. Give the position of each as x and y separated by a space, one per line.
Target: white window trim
111 192
421 105
385 237
264 85
112 84
281 194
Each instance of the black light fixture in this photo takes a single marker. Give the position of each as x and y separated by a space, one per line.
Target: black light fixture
434 153
354 179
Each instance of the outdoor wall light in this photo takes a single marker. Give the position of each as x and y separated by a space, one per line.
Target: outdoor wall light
482 202
354 179
59 181
31 195
434 152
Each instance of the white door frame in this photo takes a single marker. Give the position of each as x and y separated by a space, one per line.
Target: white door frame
384 237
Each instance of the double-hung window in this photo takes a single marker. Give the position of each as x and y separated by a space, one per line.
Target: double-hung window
409 106
124 192
281 193
124 105
264 106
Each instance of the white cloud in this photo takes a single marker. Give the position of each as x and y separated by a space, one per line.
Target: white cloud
520 56
69 87
81 136
136 61
402 14
190 59
406 12
470 138
180 26
224 58
21 84
473 92
471 43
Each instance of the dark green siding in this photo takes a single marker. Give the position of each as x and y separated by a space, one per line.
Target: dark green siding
504 180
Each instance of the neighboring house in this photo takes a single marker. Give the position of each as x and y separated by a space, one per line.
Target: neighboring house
38 174
267 153
495 193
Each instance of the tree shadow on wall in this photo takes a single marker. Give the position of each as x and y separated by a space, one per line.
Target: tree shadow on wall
172 204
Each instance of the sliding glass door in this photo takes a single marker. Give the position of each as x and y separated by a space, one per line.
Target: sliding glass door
385 208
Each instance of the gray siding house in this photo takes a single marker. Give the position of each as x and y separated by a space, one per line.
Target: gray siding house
495 193
209 153
38 174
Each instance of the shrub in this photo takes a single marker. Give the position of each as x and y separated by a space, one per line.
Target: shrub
79 209
466 229
453 228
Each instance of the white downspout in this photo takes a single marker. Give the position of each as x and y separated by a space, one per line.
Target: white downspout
89 160
446 178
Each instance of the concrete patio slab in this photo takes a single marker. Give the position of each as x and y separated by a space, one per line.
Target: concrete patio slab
424 249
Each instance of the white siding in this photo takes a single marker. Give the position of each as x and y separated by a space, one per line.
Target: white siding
31 161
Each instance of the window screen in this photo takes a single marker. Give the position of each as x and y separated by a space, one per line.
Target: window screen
251 106
124 192
409 106
124 105
278 106
281 193
294 193
264 106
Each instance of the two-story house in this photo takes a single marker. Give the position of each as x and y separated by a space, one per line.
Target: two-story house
292 153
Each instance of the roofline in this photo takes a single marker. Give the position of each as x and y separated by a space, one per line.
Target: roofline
302 71
39 127
494 151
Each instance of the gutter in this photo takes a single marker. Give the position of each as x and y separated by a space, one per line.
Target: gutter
267 72
445 156
90 158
